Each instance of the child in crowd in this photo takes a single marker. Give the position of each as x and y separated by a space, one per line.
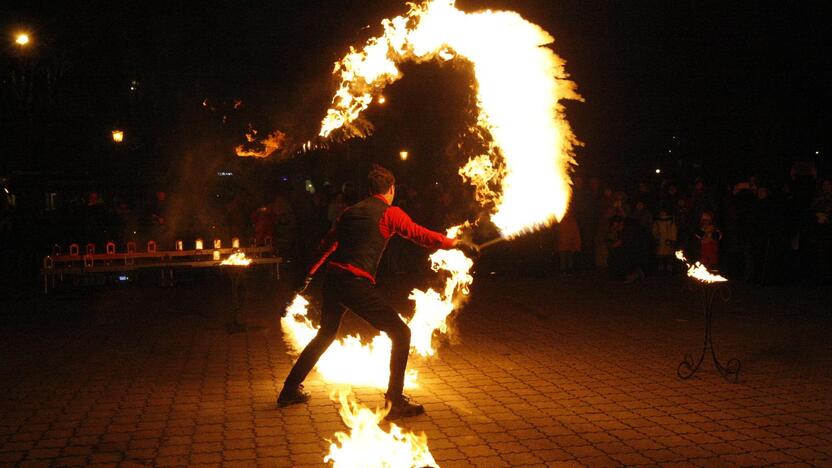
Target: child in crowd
708 236
569 243
665 234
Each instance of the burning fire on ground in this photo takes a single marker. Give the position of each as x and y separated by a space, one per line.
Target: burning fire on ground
368 445
699 272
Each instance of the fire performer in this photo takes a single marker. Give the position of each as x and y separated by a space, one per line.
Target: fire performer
352 251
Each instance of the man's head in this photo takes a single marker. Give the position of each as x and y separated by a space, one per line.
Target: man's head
382 182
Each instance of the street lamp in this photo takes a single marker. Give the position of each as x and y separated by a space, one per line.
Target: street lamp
22 39
118 136
403 155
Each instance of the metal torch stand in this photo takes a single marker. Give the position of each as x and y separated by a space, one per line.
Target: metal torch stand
731 370
235 324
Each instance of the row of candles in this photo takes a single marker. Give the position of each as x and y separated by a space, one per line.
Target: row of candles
198 244
235 244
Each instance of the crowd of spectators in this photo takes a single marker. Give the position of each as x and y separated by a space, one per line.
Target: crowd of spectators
752 229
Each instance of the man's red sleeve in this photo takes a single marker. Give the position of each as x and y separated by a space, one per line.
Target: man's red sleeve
328 245
396 221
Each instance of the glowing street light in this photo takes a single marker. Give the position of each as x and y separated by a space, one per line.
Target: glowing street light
22 39
118 136
658 171
403 155
382 99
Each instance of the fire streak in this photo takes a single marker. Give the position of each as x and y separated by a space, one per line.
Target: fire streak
523 179
368 445
699 272
270 144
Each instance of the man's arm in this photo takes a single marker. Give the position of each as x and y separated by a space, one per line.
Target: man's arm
396 221
328 245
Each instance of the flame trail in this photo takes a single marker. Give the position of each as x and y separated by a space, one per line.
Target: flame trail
524 177
270 144
368 445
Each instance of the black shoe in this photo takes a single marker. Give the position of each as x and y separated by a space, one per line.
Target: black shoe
293 396
402 407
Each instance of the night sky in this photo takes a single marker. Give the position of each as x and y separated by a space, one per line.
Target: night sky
742 86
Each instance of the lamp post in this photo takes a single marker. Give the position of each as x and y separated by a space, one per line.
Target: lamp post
22 39
118 136
403 155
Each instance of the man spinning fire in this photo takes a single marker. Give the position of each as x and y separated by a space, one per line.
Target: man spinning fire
352 251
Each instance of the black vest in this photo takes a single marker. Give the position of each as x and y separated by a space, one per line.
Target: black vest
360 242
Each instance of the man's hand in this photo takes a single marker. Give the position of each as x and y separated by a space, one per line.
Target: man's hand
470 249
300 286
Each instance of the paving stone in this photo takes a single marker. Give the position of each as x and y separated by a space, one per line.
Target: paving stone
590 382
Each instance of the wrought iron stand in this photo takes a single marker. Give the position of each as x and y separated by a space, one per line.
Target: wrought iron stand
235 324
731 370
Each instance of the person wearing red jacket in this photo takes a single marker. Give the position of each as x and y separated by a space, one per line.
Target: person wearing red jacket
351 254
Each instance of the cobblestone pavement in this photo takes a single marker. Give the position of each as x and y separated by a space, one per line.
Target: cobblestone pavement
542 372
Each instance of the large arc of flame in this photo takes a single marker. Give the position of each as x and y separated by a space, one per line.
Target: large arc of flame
524 176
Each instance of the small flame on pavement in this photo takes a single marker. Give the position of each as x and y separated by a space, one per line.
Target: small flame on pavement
368 445
699 272
237 259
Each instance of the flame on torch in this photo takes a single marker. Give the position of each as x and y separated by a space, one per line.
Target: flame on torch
699 272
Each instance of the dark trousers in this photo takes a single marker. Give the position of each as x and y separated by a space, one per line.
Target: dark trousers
344 291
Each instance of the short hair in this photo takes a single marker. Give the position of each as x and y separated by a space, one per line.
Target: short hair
380 180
